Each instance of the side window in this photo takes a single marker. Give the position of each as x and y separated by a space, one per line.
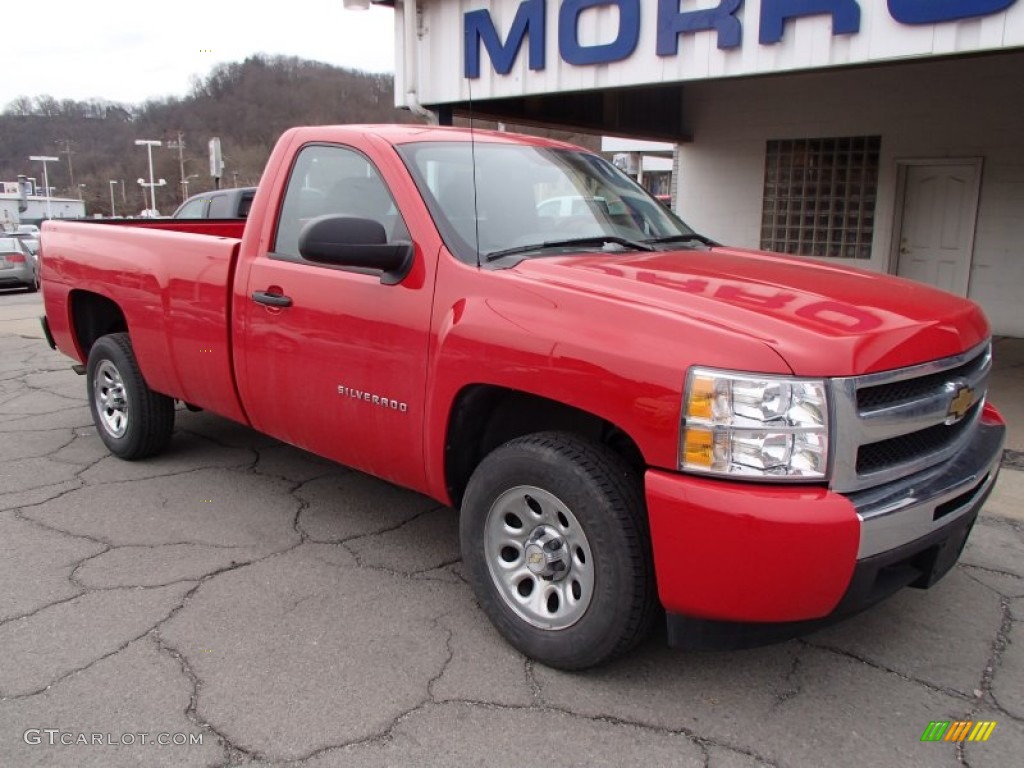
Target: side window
333 180
246 204
193 209
220 206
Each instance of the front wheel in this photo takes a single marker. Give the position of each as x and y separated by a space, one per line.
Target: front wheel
554 536
132 420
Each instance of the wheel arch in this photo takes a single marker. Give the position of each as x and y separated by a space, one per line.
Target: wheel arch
485 416
92 317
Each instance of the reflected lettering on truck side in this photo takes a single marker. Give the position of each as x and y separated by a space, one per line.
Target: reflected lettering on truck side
832 314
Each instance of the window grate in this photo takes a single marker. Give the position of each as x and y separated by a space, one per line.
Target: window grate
819 196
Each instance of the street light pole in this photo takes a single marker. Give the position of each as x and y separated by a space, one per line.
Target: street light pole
113 209
185 182
149 144
44 159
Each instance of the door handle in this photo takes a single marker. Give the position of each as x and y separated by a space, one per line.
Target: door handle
271 299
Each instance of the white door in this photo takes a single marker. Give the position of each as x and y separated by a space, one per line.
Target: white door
936 240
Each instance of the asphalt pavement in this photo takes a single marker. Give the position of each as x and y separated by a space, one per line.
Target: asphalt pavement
249 603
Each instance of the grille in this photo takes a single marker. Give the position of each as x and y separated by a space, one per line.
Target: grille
881 395
907 448
892 423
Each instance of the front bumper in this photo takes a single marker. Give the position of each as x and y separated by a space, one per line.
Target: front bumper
742 564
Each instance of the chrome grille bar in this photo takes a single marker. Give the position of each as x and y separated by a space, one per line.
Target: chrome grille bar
928 405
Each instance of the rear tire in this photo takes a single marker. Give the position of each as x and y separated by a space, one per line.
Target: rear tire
554 536
132 420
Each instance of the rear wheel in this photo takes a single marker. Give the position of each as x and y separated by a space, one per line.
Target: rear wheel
554 536
132 420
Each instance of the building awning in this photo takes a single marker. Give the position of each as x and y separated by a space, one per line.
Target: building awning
648 112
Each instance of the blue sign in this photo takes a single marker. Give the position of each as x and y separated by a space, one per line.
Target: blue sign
479 28
845 16
620 48
530 26
722 19
936 11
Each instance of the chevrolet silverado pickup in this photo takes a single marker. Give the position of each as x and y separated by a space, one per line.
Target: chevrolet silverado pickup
632 420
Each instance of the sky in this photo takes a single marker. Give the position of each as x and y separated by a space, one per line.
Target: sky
128 52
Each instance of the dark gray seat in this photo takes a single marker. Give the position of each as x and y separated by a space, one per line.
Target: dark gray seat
369 199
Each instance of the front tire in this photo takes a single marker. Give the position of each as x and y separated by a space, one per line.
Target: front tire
132 420
554 535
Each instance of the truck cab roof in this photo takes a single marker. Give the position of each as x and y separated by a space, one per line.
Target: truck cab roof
217 204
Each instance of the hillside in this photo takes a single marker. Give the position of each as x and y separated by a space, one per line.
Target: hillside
246 104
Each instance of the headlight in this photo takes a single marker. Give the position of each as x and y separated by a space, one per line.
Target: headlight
756 427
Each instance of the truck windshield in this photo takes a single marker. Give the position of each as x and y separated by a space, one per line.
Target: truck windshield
530 201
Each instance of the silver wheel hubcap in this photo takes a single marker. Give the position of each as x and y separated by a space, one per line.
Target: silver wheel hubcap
539 557
111 399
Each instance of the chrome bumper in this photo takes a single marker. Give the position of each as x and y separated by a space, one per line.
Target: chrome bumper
908 509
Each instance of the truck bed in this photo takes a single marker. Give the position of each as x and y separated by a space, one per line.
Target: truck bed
213 227
172 279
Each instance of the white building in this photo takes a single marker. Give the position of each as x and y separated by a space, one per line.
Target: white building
36 208
886 134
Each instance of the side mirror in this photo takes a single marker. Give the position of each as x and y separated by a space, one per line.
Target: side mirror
351 241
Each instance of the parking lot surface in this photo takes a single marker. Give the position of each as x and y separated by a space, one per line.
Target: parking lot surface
286 611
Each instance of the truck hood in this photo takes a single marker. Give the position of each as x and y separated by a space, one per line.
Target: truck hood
823 320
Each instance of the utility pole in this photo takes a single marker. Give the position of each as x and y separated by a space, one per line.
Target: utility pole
46 178
66 143
180 146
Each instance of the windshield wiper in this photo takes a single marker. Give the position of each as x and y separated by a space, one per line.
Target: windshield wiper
595 240
683 239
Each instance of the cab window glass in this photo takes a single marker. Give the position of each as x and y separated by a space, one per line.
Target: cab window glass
245 205
334 180
192 209
489 197
220 207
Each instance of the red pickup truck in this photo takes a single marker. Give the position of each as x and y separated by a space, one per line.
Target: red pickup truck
630 417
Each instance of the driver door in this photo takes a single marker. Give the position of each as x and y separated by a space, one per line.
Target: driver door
335 361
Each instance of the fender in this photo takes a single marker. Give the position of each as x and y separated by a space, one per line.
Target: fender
494 327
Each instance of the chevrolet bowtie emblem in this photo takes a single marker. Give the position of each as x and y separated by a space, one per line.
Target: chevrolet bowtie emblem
963 399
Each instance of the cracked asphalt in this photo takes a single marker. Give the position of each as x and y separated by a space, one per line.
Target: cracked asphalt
293 612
